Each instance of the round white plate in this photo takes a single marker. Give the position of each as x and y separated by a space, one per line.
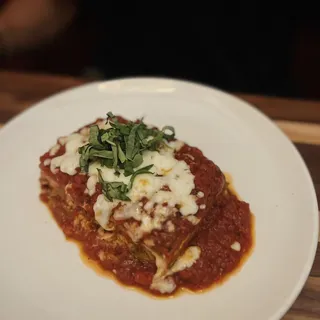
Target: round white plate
41 274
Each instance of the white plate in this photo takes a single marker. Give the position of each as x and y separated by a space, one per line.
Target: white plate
41 274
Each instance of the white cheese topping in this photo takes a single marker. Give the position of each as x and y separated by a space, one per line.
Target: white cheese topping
54 150
236 246
102 211
193 219
85 131
91 185
69 161
190 256
103 125
107 173
162 280
144 185
148 222
47 162
163 285
200 194
170 226
176 145
175 175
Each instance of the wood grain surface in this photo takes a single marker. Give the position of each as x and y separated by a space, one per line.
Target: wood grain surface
299 119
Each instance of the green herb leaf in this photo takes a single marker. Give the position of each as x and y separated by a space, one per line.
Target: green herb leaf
124 129
154 143
115 156
141 133
110 115
170 135
137 148
113 190
106 138
128 169
100 154
94 137
137 160
84 158
121 155
136 173
106 163
131 141
116 184
145 168
121 147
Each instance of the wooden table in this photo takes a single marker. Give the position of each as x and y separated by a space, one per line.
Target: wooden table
300 120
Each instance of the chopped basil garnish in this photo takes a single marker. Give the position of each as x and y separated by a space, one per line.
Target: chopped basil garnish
140 171
113 190
166 135
119 190
94 137
121 155
121 147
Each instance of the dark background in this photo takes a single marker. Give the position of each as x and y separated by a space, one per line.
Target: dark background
74 53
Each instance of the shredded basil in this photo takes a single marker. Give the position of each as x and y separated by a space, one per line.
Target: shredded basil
131 141
115 156
137 160
140 171
119 190
121 154
166 135
94 137
100 154
121 147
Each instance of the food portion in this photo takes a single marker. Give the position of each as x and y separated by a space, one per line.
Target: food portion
147 207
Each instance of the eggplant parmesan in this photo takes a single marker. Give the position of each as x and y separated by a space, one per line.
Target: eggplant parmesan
145 206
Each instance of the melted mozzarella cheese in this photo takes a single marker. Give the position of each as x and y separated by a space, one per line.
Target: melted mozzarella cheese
167 171
54 150
170 226
162 280
162 163
193 219
85 131
190 256
108 174
103 125
236 246
69 161
176 145
63 140
148 222
163 285
200 194
47 162
144 185
91 185
102 211
128 211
